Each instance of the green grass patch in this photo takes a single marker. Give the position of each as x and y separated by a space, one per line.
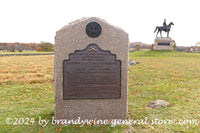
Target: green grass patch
167 75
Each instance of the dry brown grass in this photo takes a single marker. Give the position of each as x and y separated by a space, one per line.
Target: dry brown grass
26 69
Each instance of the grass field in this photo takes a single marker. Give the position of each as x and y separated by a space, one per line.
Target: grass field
24 52
27 91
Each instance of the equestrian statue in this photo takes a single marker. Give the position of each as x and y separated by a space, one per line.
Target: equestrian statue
165 28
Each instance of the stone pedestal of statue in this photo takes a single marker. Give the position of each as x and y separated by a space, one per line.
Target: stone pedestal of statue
163 43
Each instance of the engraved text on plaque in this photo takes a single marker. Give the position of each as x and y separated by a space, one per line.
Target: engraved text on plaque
91 73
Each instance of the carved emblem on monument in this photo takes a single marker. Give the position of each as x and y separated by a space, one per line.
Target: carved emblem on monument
93 29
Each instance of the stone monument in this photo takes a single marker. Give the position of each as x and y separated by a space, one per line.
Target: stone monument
163 43
91 71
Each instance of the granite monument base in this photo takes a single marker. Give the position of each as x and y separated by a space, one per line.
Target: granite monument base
163 44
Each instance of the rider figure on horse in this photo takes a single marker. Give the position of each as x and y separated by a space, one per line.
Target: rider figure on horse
164 25
165 28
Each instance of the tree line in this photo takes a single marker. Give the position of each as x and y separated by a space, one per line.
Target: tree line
12 47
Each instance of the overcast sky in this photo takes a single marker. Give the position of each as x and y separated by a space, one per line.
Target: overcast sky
38 20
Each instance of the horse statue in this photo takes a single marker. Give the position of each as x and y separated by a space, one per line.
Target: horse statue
163 28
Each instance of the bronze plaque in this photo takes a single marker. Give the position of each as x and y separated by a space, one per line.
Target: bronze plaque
163 44
91 73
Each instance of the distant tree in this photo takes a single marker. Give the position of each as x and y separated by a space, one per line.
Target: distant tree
151 48
46 46
20 50
137 47
38 48
43 46
1 46
188 49
9 47
5 46
174 44
23 45
12 47
33 46
18 46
